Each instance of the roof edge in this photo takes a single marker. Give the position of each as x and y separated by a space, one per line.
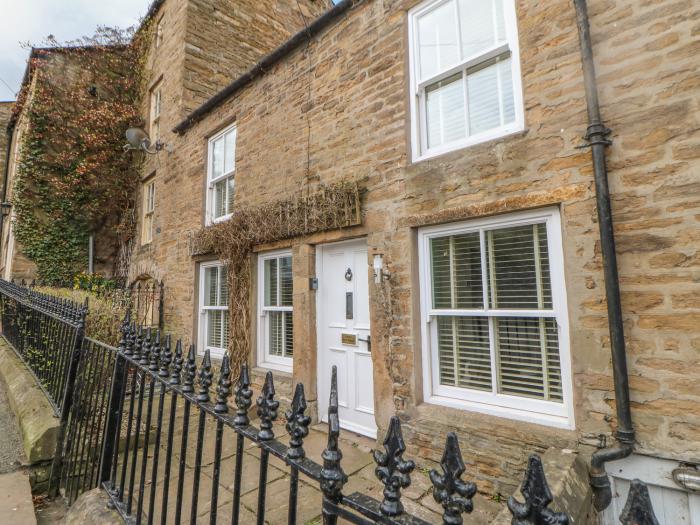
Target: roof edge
263 66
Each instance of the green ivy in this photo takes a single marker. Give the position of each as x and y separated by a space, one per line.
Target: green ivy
73 178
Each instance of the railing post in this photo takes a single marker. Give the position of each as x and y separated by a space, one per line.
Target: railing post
537 498
114 408
332 476
161 315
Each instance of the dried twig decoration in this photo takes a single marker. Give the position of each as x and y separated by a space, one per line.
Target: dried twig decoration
331 207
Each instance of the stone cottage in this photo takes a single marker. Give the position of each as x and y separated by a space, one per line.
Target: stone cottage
470 295
196 47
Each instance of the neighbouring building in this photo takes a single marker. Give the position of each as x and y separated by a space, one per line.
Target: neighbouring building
470 295
6 109
13 263
53 78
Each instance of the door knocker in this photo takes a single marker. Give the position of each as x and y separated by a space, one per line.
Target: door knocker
348 274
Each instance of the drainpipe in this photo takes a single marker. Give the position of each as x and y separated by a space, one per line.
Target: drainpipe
91 254
596 135
5 175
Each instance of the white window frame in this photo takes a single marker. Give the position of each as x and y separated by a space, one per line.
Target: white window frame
549 413
211 181
148 211
265 359
417 87
203 325
156 107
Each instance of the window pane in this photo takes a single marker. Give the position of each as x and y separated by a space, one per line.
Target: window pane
223 295
230 151
456 271
490 95
519 268
444 113
528 353
214 328
220 198
285 281
211 284
288 334
229 194
463 350
276 336
217 162
506 80
271 282
224 328
484 105
438 40
482 25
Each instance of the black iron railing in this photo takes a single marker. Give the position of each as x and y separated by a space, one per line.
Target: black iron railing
76 466
140 421
153 386
45 332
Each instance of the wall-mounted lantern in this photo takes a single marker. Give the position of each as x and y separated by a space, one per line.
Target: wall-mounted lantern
138 139
380 273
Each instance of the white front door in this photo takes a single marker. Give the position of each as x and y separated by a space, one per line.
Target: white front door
343 334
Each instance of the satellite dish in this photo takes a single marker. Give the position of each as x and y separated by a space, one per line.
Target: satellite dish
138 139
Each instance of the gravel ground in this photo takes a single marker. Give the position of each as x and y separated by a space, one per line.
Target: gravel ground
11 455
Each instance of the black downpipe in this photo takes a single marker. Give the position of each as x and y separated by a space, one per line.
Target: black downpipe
597 137
6 174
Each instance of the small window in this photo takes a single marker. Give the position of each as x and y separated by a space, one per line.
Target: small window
149 206
159 33
213 305
276 331
156 99
220 179
496 336
465 74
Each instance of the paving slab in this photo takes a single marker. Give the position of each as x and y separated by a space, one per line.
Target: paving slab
309 502
16 504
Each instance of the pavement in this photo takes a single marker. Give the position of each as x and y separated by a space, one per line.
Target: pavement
357 463
16 506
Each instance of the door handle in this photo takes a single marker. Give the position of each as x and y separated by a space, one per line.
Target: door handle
368 341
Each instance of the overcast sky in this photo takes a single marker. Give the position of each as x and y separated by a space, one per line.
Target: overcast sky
33 20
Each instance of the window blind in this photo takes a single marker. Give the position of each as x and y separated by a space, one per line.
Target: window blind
484 351
215 298
222 151
456 267
463 70
281 334
519 268
277 306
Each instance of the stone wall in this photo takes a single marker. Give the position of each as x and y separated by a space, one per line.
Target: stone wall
339 108
224 39
206 45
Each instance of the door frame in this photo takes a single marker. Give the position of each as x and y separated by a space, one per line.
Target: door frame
320 324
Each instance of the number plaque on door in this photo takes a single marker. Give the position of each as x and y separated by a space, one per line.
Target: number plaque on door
348 339
348 305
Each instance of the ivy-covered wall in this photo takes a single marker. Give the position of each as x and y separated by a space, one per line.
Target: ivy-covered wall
72 178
